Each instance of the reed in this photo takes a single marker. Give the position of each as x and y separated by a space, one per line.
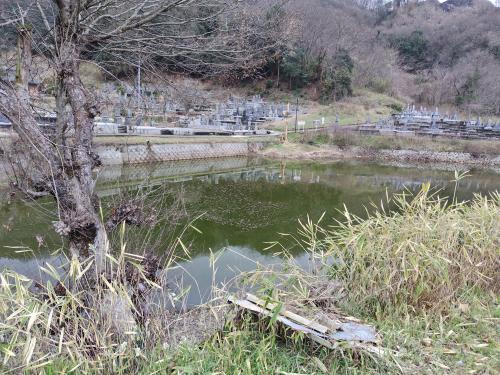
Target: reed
81 320
421 254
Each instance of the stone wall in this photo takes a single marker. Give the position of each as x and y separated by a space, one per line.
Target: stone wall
149 153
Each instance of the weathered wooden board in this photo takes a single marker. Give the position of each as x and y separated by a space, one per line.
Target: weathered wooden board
350 331
295 317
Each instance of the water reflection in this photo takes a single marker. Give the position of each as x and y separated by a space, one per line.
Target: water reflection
339 174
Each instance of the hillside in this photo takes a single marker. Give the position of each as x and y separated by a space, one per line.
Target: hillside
429 53
249 187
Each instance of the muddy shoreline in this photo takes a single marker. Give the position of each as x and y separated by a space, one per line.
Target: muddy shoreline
447 160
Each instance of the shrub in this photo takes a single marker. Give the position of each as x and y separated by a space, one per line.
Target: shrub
379 85
296 68
396 107
467 92
343 139
414 51
495 51
337 80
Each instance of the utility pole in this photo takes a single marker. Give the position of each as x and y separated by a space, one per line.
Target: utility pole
139 103
139 90
24 56
296 114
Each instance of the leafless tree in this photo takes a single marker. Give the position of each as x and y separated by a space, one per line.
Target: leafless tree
192 35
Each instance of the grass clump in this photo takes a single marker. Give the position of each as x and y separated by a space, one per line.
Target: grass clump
67 329
244 351
258 348
85 318
463 340
420 256
424 271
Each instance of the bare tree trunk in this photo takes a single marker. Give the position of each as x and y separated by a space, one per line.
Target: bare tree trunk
62 118
65 169
78 203
278 86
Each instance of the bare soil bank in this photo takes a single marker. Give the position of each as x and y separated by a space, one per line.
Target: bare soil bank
296 151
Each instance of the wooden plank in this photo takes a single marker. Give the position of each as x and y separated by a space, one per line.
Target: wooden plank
288 322
321 339
295 317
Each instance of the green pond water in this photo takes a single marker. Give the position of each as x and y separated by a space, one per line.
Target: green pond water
244 204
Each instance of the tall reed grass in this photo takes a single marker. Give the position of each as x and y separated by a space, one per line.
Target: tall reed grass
419 255
91 326
82 320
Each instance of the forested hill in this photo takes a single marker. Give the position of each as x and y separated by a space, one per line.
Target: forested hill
428 52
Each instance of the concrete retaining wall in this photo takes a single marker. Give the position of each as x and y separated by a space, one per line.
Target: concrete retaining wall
134 154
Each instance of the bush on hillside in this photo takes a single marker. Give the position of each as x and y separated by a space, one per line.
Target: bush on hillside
337 80
467 92
414 51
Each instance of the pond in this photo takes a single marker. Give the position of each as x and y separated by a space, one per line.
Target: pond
242 204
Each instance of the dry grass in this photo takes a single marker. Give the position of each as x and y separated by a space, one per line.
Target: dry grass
93 319
424 273
353 110
415 143
36 330
348 144
420 256
91 75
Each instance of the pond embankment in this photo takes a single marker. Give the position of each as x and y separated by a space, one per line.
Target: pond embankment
140 150
150 152
118 150
295 151
125 150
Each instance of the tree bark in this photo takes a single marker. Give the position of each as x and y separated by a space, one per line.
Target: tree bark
78 201
278 85
65 165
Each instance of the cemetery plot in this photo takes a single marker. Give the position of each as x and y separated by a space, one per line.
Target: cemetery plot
421 121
